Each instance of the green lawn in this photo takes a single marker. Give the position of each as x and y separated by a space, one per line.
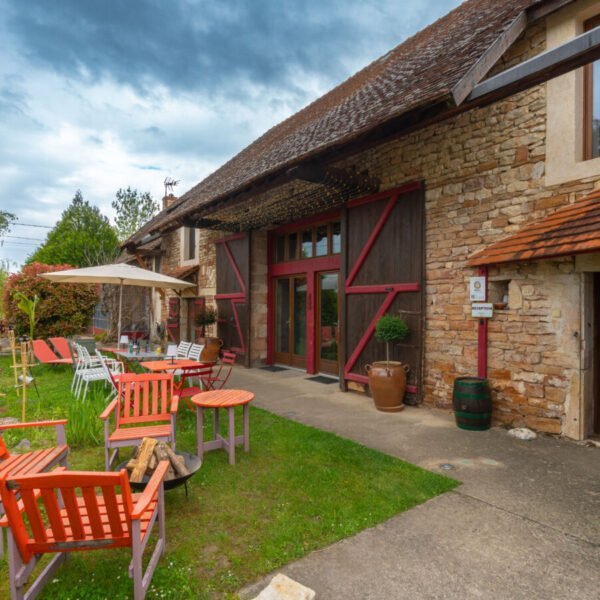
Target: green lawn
299 489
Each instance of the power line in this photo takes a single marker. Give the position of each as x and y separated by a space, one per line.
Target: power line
30 225
18 237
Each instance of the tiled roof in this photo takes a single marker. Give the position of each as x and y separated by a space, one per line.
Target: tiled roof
574 229
420 71
182 272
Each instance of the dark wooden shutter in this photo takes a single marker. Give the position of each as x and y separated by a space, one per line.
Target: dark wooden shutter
233 284
384 237
195 307
173 320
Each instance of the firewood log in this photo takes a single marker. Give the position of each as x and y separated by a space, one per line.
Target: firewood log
179 467
152 463
146 452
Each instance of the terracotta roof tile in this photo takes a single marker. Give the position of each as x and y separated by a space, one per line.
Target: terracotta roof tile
419 71
182 272
574 229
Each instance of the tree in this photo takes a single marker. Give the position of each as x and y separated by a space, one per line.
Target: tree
133 209
62 309
6 220
83 237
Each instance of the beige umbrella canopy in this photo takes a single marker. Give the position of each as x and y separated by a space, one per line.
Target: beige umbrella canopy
118 274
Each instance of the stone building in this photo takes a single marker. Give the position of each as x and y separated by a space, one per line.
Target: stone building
443 160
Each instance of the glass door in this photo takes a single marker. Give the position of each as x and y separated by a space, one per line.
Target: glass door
290 320
328 331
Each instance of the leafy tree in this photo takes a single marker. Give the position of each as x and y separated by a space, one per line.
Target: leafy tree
4 273
6 220
133 209
83 237
62 309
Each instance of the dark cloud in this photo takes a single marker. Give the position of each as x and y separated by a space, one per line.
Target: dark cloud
205 45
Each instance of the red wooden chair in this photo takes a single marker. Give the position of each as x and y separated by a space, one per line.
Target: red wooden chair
52 517
44 354
217 381
201 372
36 461
61 345
145 406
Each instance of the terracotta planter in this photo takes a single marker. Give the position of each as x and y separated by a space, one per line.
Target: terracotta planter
211 350
387 382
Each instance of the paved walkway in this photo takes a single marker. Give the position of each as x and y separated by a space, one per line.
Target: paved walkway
525 523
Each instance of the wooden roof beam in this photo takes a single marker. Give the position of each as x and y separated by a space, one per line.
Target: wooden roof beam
575 53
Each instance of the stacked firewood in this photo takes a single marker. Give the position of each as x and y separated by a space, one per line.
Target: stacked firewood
146 457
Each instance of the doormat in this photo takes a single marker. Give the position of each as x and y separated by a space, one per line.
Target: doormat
321 379
273 369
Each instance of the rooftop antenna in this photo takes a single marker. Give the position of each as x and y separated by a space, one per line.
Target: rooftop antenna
170 185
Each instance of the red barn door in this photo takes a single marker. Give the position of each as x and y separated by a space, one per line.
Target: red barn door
233 284
173 320
384 256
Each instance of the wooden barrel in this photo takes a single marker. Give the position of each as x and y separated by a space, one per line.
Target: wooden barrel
472 403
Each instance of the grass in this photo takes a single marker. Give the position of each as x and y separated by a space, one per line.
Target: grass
299 489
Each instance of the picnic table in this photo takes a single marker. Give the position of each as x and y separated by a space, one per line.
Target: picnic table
141 355
158 366
215 400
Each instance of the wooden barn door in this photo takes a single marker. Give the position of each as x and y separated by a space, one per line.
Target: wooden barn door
195 307
233 284
173 320
383 269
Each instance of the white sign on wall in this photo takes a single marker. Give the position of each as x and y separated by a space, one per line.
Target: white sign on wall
477 289
482 310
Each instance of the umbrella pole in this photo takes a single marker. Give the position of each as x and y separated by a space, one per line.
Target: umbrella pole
120 308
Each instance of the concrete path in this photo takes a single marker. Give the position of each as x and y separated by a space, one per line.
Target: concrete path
525 523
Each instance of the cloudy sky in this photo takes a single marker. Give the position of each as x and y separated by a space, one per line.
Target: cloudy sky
102 94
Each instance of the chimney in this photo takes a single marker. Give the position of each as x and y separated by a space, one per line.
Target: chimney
168 201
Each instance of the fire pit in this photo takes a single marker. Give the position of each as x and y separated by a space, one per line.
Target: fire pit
192 464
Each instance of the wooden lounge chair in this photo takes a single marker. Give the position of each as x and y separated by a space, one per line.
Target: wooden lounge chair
36 461
62 347
44 354
52 517
145 406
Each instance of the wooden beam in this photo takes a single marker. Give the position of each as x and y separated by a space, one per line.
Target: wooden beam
543 9
575 53
334 177
489 58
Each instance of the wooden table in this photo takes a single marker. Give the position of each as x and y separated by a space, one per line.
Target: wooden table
157 366
215 400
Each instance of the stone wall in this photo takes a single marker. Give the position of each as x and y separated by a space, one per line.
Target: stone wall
258 298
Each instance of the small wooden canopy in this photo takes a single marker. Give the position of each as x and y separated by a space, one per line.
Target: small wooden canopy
574 229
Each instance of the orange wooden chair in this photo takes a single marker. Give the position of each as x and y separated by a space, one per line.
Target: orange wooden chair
61 512
36 461
218 379
145 406
44 354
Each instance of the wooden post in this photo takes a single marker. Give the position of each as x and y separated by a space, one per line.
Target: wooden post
24 355
13 349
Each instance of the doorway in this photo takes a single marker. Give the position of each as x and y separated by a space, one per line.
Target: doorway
290 320
327 317
596 355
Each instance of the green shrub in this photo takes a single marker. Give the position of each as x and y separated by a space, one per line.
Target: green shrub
85 426
63 309
390 329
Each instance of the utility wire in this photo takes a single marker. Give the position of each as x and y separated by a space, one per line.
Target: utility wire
30 225
18 237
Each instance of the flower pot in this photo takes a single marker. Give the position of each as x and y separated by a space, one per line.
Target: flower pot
211 350
387 382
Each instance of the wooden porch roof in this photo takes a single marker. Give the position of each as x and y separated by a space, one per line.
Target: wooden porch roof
574 229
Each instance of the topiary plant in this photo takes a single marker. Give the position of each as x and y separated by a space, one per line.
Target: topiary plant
390 329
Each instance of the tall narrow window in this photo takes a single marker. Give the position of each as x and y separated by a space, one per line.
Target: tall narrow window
591 102
190 244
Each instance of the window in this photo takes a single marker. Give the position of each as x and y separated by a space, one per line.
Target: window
157 264
321 240
591 102
189 245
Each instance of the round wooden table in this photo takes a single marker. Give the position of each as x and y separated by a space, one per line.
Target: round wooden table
215 400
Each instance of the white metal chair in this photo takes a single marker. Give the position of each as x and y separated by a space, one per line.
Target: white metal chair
91 369
112 369
195 351
183 349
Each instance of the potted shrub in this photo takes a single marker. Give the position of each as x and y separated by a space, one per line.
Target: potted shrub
205 318
387 379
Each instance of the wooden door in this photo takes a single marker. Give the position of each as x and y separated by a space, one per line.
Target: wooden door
233 283
327 322
383 270
173 320
290 322
596 353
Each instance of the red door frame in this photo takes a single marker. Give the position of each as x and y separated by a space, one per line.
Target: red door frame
236 297
391 290
308 266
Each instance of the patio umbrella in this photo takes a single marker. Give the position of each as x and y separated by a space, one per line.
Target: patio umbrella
118 274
